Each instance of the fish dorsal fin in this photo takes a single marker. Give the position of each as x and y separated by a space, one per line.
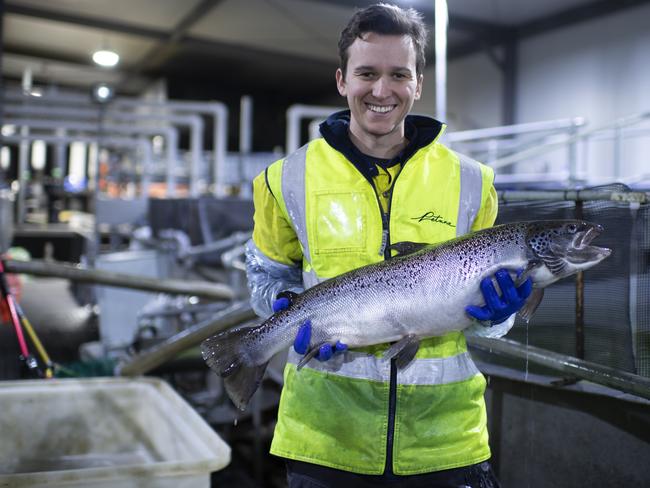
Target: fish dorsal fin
403 350
529 308
407 247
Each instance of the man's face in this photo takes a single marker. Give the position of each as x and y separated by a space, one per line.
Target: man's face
380 85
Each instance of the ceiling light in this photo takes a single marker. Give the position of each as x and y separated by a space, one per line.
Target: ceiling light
105 57
102 93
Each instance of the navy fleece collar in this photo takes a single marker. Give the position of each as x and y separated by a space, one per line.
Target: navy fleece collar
419 130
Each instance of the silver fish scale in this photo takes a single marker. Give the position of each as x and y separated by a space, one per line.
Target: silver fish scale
423 293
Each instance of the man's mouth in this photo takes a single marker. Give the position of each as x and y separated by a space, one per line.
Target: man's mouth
380 109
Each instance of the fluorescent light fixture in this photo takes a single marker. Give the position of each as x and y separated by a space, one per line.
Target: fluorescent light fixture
5 157
39 151
8 130
105 57
36 92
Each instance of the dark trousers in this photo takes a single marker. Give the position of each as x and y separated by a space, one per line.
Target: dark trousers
306 475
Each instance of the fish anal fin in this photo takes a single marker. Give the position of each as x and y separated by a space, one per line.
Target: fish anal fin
407 247
403 350
529 308
309 355
243 383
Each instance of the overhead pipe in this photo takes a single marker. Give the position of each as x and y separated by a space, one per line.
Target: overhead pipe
219 113
143 144
217 110
295 114
194 122
170 133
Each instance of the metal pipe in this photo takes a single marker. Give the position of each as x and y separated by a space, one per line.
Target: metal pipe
245 124
194 122
516 129
218 110
441 21
551 146
574 367
235 239
574 195
213 291
295 113
580 299
236 314
142 143
170 133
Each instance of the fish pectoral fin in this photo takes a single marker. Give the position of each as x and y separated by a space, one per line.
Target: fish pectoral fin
309 355
406 247
403 350
242 384
532 266
528 310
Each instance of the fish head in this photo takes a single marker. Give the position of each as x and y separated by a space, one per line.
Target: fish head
563 247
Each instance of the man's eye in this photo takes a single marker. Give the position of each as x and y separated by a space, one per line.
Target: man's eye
367 74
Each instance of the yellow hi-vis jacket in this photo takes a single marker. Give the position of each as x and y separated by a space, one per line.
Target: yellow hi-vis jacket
356 412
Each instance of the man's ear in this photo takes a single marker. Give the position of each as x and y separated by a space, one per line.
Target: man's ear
418 88
340 82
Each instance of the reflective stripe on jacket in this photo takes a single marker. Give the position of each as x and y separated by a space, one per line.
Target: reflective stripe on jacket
339 413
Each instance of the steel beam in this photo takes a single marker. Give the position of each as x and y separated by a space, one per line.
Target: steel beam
160 52
136 30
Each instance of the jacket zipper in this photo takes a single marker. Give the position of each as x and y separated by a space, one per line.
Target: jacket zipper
392 388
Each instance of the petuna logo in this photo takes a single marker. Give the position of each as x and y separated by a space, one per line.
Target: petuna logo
433 217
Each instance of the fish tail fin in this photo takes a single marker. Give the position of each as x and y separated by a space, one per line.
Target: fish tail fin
243 383
226 355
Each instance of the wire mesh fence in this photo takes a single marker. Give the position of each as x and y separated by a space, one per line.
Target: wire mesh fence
616 303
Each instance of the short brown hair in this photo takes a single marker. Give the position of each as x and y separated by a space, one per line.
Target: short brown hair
386 19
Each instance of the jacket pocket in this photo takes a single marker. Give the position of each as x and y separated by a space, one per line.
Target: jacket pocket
339 222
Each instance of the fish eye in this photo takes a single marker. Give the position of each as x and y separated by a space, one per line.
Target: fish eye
572 228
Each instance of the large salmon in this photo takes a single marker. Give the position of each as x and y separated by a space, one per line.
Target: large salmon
421 293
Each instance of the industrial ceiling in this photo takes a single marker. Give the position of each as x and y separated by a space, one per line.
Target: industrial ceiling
281 48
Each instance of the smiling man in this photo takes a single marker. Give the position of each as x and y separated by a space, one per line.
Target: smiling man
377 176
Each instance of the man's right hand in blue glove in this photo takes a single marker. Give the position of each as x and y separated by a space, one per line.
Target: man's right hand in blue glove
303 337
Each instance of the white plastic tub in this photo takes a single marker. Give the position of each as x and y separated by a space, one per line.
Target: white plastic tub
104 433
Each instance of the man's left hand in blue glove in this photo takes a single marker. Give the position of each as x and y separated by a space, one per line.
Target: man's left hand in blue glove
303 337
497 307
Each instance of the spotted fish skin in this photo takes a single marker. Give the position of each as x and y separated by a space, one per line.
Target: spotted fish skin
422 294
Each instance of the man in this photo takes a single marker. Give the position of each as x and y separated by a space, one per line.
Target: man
377 176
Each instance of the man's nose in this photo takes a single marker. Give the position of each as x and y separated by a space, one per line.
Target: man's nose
381 88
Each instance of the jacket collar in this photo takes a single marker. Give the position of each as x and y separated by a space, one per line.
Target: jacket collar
419 130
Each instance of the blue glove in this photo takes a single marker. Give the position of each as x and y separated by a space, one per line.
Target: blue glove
283 300
303 337
498 308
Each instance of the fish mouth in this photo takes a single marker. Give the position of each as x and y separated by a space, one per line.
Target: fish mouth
582 252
